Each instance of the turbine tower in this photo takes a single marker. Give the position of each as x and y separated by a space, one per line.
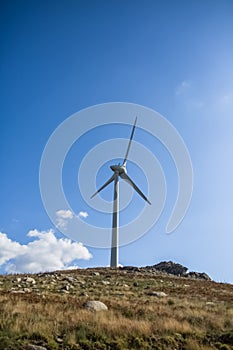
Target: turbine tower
119 171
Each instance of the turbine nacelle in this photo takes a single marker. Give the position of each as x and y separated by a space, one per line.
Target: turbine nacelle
119 169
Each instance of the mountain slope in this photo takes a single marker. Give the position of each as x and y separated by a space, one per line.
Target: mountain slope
147 309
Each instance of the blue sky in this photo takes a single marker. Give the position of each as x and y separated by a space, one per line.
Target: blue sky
59 57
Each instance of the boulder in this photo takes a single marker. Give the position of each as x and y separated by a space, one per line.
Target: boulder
106 283
35 347
95 305
30 280
158 294
69 279
17 291
66 287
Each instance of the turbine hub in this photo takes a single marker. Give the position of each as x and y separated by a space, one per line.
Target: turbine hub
119 169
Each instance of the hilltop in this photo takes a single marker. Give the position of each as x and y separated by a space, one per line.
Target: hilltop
145 308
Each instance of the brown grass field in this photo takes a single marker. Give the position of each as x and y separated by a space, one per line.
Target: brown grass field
49 312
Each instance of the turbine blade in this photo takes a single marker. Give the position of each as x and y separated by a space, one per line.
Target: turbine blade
128 179
102 187
130 141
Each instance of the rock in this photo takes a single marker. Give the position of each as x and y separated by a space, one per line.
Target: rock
64 291
17 291
95 273
35 347
30 280
166 267
105 282
158 294
59 340
130 268
66 287
171 267
95 305
135 284
199 275
69 279
118 294
27 290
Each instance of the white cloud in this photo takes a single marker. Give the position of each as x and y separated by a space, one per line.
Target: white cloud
65 214
9 249
83 214
62 218
45 253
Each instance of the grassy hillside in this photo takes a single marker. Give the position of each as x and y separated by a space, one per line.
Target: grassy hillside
48 310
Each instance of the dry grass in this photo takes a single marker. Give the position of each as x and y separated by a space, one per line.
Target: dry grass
197 317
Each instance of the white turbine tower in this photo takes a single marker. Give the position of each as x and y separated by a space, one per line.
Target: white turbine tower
119 171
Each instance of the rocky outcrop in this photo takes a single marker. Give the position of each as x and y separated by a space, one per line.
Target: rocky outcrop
80 282
198 275
132 268
168 267
171 267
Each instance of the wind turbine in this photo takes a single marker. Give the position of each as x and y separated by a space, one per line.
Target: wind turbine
119 171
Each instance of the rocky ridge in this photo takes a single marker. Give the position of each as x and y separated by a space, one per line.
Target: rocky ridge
169 267
81 282
68 282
